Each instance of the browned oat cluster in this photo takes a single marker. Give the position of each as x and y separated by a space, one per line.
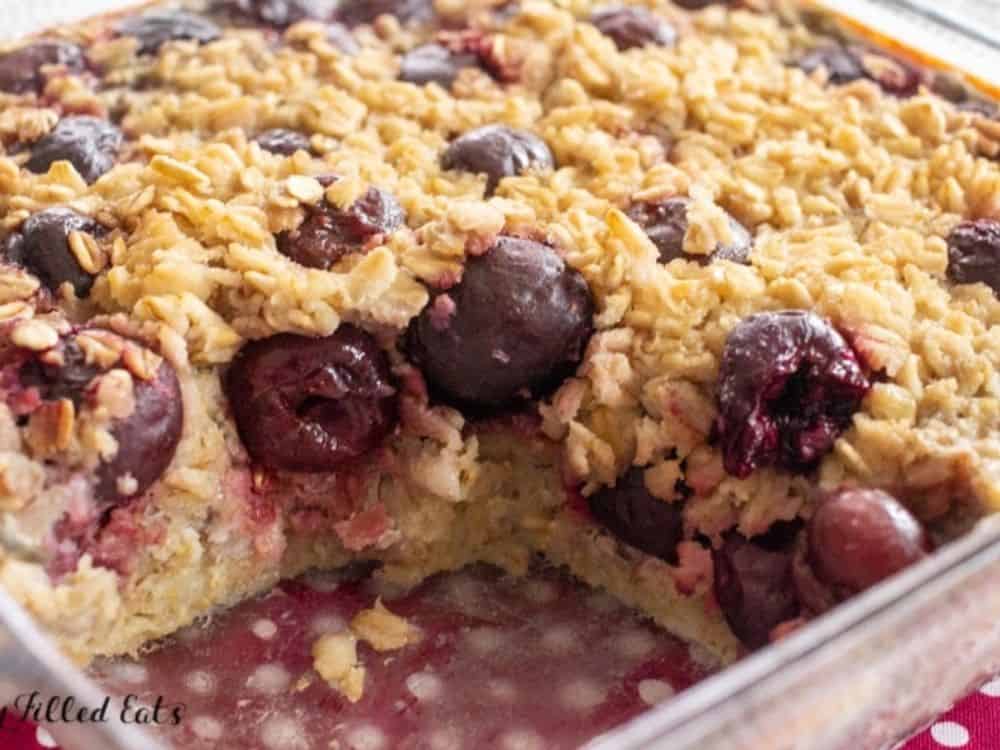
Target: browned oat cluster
427 283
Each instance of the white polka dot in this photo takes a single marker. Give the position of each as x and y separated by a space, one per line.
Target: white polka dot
634 644
521 739
502 690
484 640
950 734
366 737
264 629
540 592
206 728
581 695
129 672
269 679
200 682
445 739
425 686
283 733
43 738
655 691
991 688
323 624
561 639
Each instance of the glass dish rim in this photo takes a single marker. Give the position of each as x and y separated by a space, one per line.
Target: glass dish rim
678 722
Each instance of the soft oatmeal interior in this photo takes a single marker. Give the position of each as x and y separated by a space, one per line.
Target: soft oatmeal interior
849 193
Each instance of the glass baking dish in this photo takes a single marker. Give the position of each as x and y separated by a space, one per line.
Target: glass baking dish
866 675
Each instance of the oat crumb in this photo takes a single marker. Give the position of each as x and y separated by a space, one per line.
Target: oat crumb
335 659
383 630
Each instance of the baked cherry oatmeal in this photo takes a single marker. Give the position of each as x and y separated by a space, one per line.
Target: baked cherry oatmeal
697 299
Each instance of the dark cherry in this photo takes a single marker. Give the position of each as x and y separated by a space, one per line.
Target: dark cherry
307 404
88 143
283 141
497 151
665 223
949 87
846 64
147 438
56 382
630 512
754 584
900 80
858 537
353 13
630 26
435 63
42 247
12 249
841 64
515 326
815 596
974 253
341 37
279 14
21 69
789 385
155 29
982 107
328 233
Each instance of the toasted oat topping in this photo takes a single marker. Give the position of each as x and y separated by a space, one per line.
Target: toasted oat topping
849 193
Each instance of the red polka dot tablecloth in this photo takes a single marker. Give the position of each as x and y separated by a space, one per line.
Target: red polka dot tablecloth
512 664
973 724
